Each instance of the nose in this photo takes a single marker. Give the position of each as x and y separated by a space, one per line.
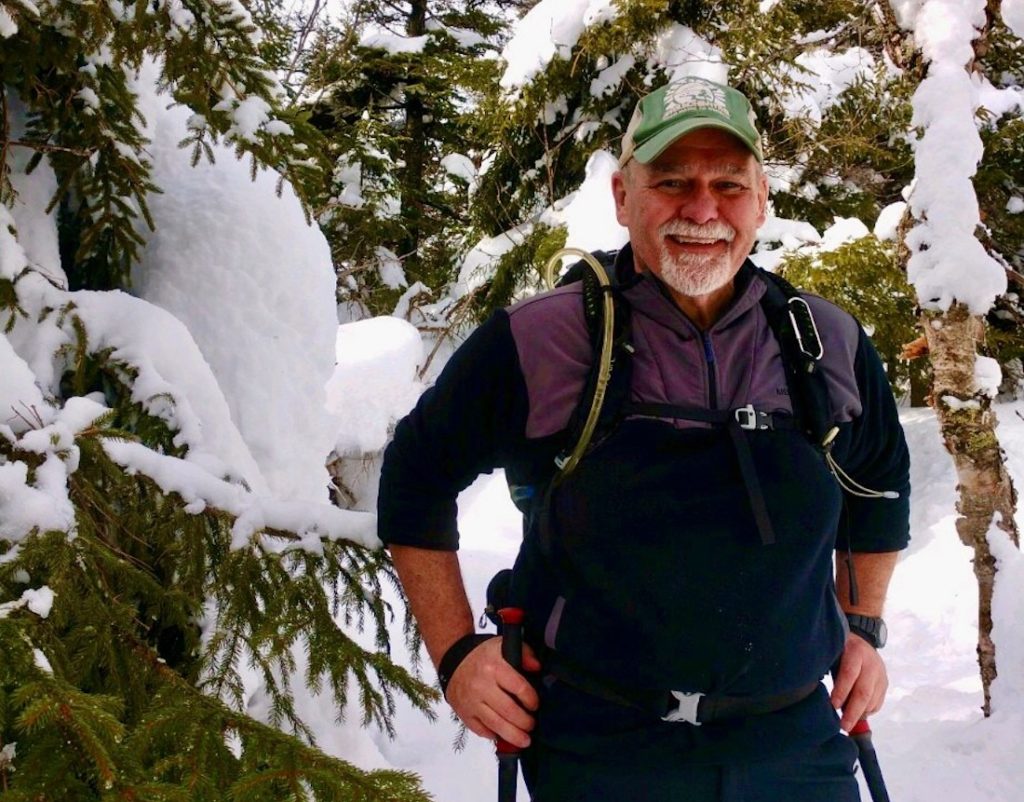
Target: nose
700 206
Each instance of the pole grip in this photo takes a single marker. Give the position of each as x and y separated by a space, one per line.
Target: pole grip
512 636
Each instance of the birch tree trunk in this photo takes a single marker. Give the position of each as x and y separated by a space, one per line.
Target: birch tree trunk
986 492
944 226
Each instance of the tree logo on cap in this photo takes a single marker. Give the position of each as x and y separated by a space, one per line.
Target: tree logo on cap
694 95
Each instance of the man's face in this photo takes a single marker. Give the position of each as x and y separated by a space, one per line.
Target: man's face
694 211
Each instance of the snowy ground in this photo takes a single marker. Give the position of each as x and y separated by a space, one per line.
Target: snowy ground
931 738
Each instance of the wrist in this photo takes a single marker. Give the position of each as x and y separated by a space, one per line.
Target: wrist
870 628
456 653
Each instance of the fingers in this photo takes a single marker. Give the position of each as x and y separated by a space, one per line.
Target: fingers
530 661
861 683
492 698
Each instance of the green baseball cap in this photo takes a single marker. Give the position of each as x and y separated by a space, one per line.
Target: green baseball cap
686 105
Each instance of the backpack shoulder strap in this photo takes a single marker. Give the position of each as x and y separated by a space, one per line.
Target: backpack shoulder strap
606 395
792 322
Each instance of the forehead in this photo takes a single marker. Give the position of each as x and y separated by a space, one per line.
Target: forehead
705 149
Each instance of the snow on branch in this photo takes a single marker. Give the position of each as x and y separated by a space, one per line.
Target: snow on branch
947 262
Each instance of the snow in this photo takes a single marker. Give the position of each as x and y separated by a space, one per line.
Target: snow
254 286
200 489
549 30
957 404
477 264
248 117
1007 607
997 101
25 506
681 52
39 600
460 166
404 304
375 381
888 221
906 12
791 233
7 754
19 394
825 75
464 36
41 661
947 262
350 177
8 27
590 215
944 30
174 381
1015 205
987 375
393 43
842 231
1013 15
609 79
390 268
89 97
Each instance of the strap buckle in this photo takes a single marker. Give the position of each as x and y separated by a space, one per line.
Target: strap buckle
751 419
686 709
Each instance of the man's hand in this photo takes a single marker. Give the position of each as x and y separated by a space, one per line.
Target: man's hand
860 686
492 698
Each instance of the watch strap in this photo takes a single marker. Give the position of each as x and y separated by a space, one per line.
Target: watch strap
870 628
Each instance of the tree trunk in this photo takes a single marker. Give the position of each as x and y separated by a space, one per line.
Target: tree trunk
968 430
412 181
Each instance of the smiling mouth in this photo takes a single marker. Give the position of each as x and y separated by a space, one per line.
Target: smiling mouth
694 240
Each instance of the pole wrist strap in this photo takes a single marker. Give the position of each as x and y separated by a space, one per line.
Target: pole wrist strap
456 653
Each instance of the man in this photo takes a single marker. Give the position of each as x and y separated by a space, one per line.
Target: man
678 586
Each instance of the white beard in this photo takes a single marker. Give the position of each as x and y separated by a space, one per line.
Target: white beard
696 274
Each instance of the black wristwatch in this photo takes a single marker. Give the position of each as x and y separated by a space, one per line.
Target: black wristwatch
873 630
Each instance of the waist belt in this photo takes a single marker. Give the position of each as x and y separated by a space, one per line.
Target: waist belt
675 706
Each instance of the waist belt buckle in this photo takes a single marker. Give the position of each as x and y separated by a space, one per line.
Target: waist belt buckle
750 419
686 709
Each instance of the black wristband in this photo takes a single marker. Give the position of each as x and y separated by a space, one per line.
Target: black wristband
456 653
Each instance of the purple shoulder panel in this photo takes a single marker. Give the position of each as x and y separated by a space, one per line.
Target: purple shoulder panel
554 351
840 336
738 362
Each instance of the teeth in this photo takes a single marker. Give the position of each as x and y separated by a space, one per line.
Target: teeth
690 240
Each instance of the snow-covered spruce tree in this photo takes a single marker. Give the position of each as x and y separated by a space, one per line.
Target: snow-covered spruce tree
160 607
395 90
957 274
72 64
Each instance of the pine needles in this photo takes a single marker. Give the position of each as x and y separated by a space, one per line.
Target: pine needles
132 685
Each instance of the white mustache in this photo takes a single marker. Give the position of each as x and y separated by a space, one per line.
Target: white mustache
712 231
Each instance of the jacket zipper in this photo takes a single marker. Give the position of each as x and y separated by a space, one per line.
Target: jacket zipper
709 357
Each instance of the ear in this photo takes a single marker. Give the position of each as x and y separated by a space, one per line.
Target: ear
619 192
762 198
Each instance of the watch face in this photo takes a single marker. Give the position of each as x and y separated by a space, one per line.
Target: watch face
873 630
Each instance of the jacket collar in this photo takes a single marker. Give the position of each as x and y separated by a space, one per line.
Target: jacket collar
648 296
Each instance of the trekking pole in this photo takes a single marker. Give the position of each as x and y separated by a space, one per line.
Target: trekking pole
861 734
512 651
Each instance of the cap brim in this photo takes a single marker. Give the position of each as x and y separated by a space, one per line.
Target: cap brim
656 145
